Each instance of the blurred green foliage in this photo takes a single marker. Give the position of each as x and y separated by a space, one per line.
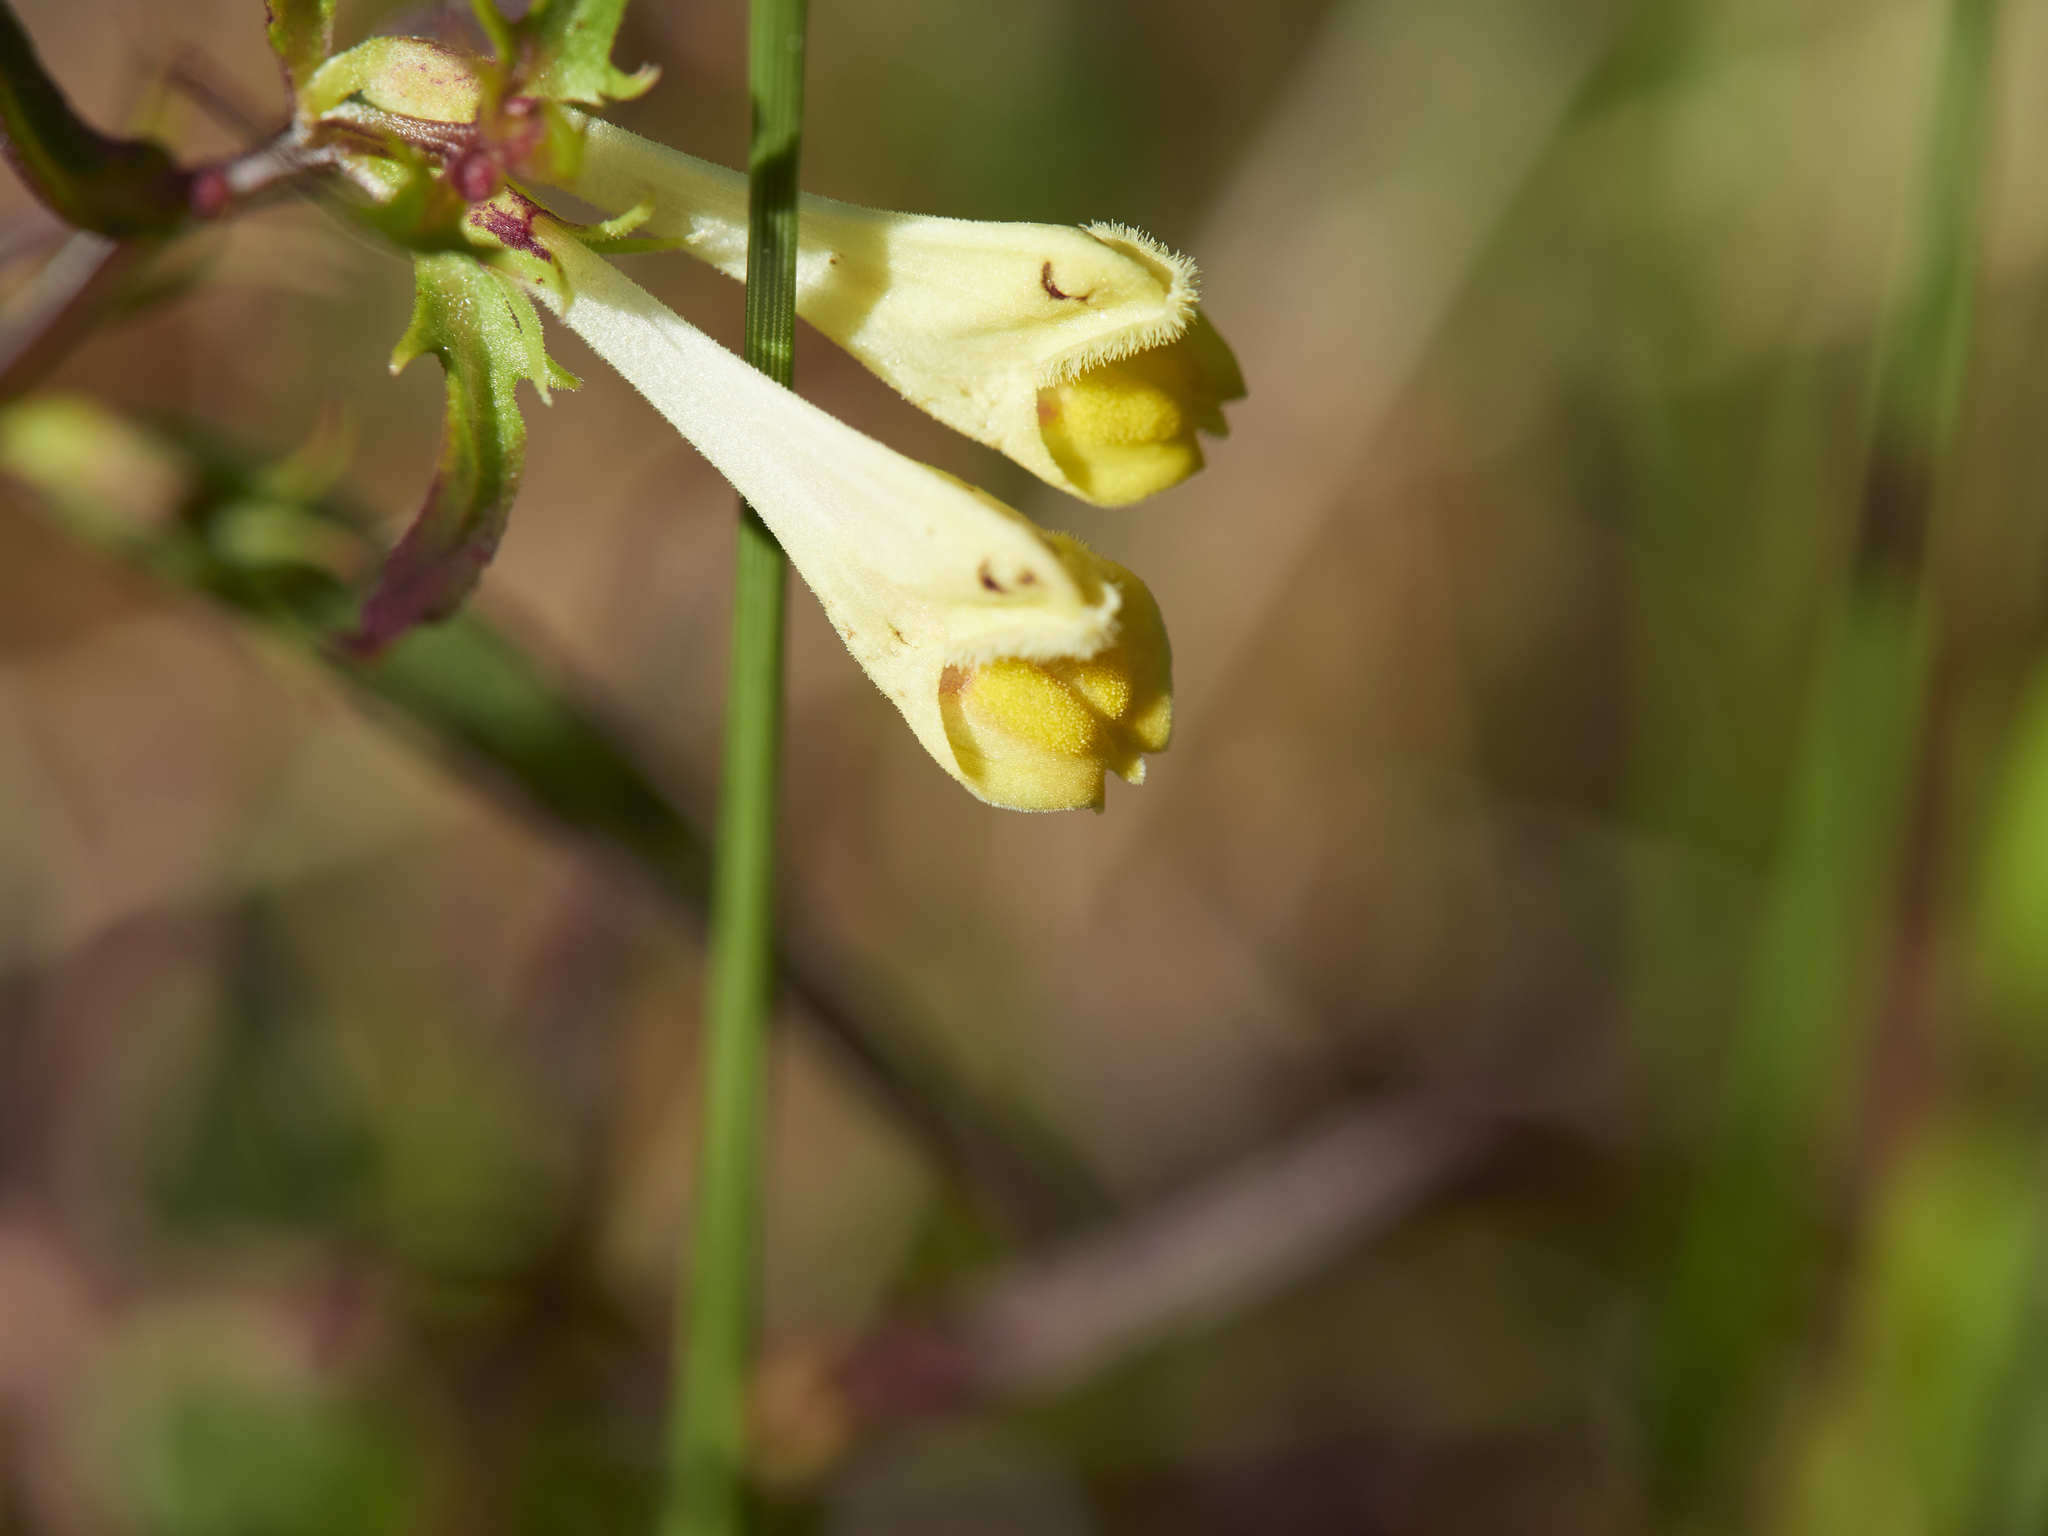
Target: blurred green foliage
207 1460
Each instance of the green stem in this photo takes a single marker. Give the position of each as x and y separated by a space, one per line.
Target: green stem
715 1320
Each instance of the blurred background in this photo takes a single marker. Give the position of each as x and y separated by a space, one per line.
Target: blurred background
1557 1046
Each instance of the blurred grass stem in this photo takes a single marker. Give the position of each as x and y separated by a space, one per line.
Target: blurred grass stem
715 1318
1852 857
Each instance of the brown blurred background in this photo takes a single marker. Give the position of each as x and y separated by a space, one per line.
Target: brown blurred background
1552 1047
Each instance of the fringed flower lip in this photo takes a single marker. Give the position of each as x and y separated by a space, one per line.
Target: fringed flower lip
1081 353
1026 665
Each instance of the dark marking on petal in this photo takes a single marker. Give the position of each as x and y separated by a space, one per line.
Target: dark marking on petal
988 579
1045 281
1027 579
514 229
898 634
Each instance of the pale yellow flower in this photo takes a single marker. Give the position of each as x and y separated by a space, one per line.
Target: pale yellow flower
1080 353
1026 665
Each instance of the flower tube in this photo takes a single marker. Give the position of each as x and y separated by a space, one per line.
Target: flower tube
1027 666
1079 353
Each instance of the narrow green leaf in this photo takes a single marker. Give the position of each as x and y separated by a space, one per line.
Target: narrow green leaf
488 338
1749 1254
1751 1258
301 35
2011 958
1909 1434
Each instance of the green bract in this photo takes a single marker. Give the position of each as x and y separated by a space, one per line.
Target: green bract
302 36
570 44
431 136
488 338
560 51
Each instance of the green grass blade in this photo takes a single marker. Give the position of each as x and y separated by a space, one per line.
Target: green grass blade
1748 1258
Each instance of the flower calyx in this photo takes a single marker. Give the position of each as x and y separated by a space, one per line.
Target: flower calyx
408 109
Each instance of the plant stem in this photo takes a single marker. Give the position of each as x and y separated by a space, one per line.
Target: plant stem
715 1320
114 187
